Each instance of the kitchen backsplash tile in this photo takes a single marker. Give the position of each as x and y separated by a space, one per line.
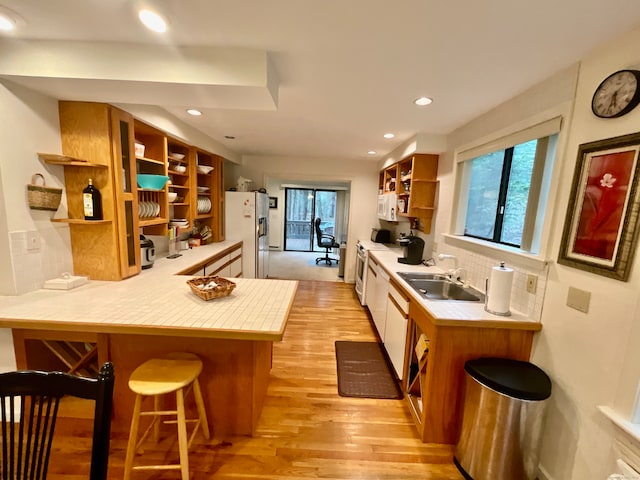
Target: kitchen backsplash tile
30 268
478 269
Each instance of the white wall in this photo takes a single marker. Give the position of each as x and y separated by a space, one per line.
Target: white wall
363 178
588 356
28 124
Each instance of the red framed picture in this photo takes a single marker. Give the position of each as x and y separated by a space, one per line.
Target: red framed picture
600 229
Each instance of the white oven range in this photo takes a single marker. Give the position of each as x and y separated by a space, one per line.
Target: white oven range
362 261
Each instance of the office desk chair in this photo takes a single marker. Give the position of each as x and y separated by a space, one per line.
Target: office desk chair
326 241
27 436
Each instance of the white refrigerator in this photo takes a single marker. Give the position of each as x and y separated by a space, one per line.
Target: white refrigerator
247 219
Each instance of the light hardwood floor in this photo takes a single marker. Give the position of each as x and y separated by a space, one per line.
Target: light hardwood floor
306 431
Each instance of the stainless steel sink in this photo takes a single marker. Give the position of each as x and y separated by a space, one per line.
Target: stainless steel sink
439 287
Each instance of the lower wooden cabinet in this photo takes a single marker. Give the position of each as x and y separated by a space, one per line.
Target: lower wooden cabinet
434 373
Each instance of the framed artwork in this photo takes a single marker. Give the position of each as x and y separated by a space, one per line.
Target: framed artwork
601 225
273 202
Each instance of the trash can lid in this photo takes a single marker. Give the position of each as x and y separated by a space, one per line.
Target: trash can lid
515 378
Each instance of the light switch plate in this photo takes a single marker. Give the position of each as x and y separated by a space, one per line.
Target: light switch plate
578 299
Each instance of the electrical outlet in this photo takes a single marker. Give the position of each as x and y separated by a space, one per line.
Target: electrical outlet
33 241
435 246
532 283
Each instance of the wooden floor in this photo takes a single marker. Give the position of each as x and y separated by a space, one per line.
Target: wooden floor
306 431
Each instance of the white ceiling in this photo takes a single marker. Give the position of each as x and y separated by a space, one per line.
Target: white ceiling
342 72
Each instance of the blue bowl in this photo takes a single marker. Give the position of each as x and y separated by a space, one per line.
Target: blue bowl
151 182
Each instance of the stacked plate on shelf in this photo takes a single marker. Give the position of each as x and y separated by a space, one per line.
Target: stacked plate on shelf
204 205
183 223
148 209
203 189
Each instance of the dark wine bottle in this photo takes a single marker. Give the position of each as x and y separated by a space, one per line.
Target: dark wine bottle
92 201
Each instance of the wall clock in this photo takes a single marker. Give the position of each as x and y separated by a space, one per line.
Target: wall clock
617 95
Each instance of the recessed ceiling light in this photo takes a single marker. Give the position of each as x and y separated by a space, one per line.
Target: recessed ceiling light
6 24
9 20
152 21
422 101
388 135
372 152
194 112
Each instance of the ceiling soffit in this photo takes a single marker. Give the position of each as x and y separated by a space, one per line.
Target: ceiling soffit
208 77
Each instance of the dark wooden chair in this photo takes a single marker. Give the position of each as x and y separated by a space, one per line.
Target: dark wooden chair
326 241
27 435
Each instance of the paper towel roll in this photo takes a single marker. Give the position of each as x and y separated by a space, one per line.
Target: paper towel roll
499 295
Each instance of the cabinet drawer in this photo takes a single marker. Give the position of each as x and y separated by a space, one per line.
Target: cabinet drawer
217 266
399 298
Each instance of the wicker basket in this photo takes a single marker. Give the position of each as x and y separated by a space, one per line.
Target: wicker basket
41 197
224 288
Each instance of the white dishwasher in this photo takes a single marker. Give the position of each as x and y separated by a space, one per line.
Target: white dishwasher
379 307
395 335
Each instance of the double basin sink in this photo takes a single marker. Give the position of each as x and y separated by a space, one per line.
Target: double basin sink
439 287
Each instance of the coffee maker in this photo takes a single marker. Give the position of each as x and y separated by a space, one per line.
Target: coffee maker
412 248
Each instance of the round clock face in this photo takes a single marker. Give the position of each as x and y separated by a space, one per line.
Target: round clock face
617 95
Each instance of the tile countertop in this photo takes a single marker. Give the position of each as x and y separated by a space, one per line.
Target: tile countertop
158 302
450 313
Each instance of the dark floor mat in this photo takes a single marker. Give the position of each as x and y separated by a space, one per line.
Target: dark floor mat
363 371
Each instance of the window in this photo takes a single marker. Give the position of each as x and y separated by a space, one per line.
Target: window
499 192
502 188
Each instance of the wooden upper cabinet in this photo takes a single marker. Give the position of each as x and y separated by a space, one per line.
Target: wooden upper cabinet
103 136
415 181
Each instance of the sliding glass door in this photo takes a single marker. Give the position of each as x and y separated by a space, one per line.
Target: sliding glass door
302 206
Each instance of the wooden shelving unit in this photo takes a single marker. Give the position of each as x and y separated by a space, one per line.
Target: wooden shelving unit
415 181
103 136
98 143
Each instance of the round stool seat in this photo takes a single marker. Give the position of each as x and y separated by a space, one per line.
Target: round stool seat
164 375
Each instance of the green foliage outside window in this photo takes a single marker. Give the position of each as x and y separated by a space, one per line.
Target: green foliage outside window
498 196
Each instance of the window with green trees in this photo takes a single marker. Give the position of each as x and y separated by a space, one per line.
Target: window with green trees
499 192
503 188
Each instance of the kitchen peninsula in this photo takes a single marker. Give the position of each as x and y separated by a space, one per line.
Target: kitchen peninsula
154 313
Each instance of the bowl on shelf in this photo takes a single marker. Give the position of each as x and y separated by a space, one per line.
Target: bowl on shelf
204 169
172 196
176 156
151 182
179 168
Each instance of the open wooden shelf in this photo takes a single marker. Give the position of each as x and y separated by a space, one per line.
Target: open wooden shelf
77 221
65 160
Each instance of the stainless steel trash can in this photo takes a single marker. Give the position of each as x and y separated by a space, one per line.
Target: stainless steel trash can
502 419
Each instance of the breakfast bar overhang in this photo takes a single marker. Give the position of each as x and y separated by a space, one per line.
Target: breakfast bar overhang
144 317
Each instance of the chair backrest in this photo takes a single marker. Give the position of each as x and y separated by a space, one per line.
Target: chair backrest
318 231
26 440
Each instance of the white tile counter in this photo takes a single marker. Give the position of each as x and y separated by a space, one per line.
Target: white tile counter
160 303
154 313
450 312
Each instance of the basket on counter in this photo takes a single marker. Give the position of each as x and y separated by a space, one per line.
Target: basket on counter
41 197
199 286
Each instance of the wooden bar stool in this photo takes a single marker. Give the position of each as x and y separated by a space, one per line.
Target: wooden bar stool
177 372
